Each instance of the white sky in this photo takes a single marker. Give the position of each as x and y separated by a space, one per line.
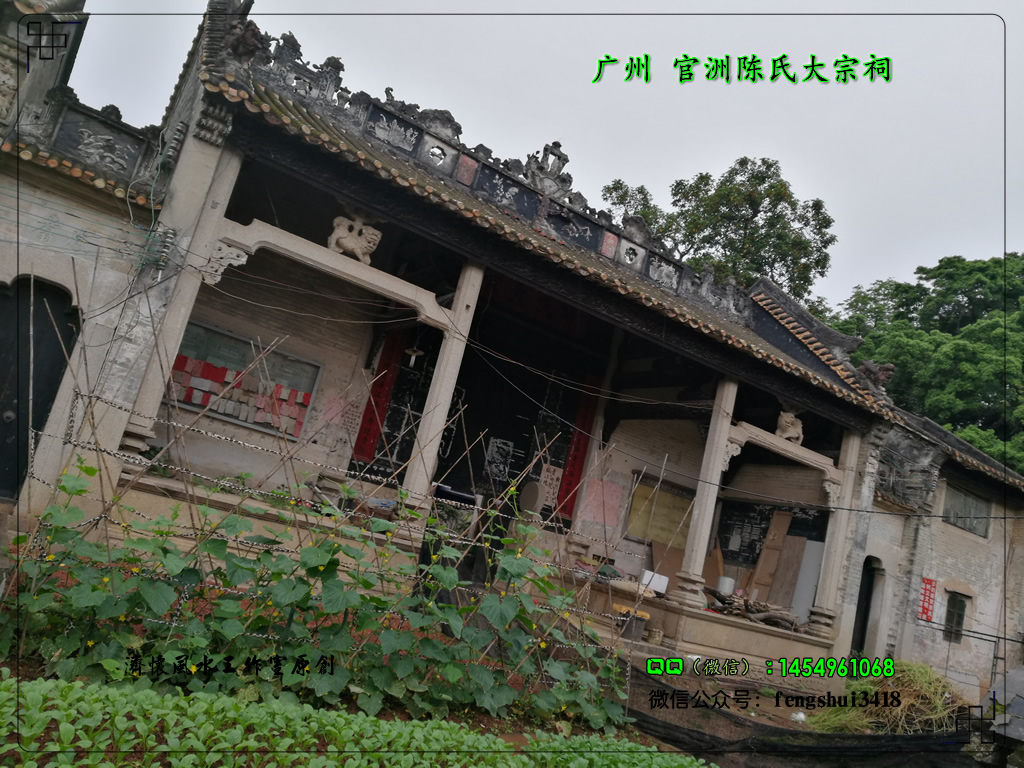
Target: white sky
911 170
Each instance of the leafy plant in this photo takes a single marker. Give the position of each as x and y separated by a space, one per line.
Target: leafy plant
205 728
349 617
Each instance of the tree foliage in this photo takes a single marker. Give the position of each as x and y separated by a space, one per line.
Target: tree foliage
956 338
747 224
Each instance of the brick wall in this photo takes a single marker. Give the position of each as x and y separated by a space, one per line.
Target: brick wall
959 561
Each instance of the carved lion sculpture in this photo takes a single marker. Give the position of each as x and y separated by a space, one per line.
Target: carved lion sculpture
790 428
353 237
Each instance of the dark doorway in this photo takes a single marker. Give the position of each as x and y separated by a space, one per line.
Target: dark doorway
865 600
52 328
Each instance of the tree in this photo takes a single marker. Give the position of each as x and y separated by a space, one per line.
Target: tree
883 303
959 356
963 291
745 224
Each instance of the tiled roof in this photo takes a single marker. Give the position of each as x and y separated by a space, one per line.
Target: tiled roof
241 85
346 134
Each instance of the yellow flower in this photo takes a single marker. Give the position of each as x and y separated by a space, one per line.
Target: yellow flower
433 557
91 643
534 626
503 593
135 570
270 602
259 591
50 557
122 617
567 614
193 669
106 579
543 644
213 526
35 597
389 534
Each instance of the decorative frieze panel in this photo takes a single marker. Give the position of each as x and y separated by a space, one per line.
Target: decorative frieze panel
393 131
506 194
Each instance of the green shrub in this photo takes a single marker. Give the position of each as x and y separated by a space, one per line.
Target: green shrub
204 618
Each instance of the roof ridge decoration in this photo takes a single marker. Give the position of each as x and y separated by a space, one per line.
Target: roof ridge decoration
94 146
239 63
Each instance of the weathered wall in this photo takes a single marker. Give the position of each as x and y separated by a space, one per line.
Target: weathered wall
878 533
635 446
962 562
64 233
319 319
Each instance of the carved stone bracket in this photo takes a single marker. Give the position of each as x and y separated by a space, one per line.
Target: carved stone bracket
223 256
832 489
732 448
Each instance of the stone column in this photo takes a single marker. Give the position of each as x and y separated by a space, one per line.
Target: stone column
716 459
204 261
442 386
823 611
151 323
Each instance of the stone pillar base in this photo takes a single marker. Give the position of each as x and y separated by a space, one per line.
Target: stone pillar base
576 546
135 441
821 623
690 592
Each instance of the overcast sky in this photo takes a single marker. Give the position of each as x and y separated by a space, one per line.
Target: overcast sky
911 170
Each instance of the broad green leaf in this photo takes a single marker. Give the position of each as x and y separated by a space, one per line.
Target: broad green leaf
287 591
174 563
446 576
338 598
234 524
391 641
56 515
84 596
72 485
499 612
159 596
402 666
216 547
313 557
